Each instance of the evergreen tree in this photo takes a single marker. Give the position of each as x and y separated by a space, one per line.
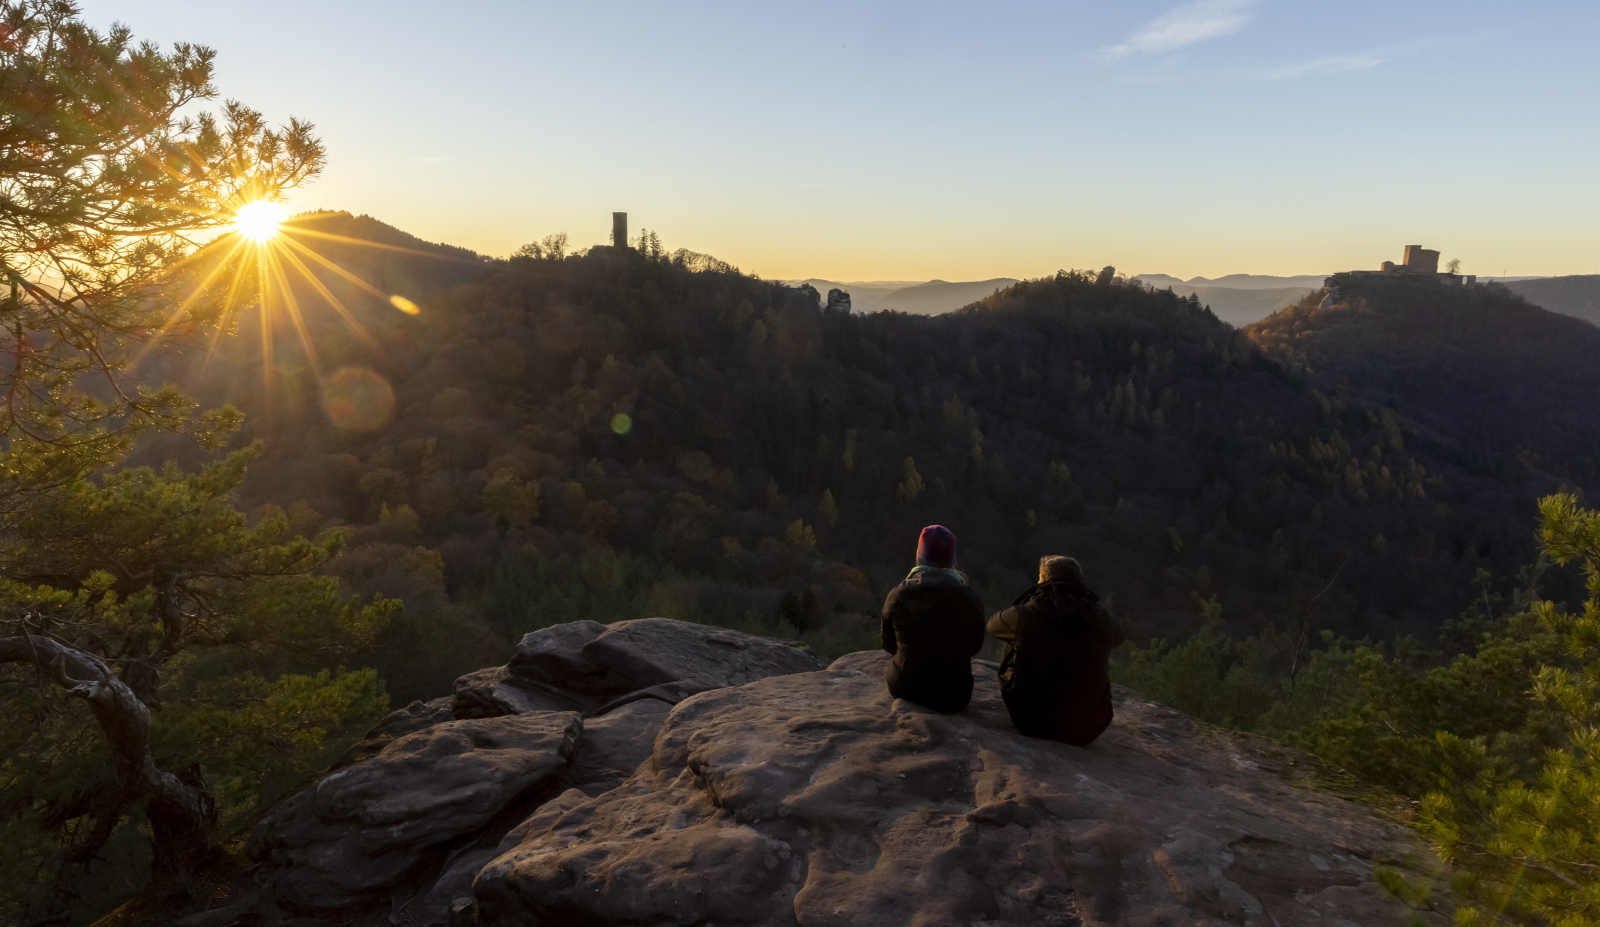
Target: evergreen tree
132 591
912 485
1529 848
144 593
105 188
828 510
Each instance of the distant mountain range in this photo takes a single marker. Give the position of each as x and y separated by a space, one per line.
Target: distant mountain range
1235 281
931 298
1578 295
1238 299
864 294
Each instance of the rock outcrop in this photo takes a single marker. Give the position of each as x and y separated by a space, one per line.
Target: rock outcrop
665 773
593 668
614 745
818 800
420 785
398 723
362 828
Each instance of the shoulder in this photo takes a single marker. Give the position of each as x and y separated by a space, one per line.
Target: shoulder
1029 594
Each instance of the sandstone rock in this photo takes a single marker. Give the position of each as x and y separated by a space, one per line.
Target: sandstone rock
398 723
453 888
593 668
838 300
806 296
554 656
816 799
614 745
611 749
492 692
647 652
360 829
541 820
670 693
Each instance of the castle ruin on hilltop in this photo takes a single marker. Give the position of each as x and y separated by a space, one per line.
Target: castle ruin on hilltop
1419 262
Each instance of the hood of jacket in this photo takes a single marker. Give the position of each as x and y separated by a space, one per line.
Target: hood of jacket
1066 590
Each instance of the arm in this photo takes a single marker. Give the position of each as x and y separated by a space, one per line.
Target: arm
886 625
1109 626
1003 625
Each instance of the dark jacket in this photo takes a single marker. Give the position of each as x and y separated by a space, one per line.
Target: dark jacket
1055 674
933 624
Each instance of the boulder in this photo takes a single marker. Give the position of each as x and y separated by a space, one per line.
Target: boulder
398 723
496 691
611 749
646 652
452 891
360 830
614 745
554 656
817 799
594 668
838 301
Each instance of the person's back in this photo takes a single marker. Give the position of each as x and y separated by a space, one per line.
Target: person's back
933 625
1055 675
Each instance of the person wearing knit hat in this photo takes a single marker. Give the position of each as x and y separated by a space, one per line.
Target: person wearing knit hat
932 627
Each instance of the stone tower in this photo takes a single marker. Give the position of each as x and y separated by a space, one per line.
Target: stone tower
619 230
1420 260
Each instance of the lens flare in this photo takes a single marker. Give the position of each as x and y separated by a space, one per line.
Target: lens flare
404 305
358 399
258 221
621 423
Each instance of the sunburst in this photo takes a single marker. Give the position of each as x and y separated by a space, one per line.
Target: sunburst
260 259
259 221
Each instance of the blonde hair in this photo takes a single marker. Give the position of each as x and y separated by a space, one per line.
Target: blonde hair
1057 567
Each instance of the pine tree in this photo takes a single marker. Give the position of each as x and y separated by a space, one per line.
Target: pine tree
117 589
828 510
105 189
1530 851
121 592
912 485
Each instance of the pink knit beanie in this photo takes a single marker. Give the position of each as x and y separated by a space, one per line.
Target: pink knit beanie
936 547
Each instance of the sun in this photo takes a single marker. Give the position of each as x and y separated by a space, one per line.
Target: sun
258 221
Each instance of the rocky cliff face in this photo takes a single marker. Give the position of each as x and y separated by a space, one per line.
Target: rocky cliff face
657 772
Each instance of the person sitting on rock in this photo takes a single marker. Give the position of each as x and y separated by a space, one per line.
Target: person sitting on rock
1055 675
933 624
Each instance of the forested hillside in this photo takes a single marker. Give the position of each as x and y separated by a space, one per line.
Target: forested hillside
618 434
1479 369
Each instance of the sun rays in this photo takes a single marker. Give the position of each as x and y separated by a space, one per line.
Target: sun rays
268 263
258 221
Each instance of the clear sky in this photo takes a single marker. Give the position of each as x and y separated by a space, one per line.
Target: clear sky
909 140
